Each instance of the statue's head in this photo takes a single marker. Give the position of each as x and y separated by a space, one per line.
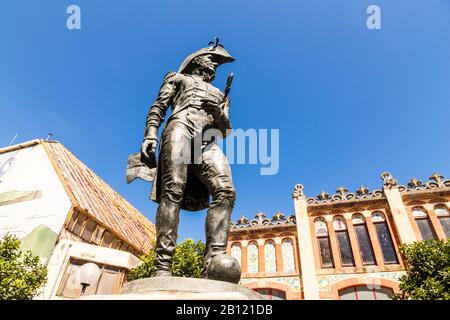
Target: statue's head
206 60
205 65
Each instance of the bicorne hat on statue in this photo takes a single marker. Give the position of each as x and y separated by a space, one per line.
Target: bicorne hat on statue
220 55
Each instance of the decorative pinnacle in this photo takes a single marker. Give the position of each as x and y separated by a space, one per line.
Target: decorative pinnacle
323 195
438 178
278 216
388 180
342 190
414 183
260 216
298 192
362 190
242 220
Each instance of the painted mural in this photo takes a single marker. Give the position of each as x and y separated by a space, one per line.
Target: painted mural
33 202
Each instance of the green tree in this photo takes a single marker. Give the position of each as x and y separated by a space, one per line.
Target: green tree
21 274
427 271
187 261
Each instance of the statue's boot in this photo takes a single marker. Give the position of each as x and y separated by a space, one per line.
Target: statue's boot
167 219
218 223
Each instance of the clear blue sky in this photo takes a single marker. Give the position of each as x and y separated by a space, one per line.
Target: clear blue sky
350 103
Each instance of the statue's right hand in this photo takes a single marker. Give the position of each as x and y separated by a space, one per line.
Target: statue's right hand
148 149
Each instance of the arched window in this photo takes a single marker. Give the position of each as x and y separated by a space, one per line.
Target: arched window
252 257
236 252
287 250
364 243
323 241
443 215
270 260
271 294
365 292
384 238
345 248
424 223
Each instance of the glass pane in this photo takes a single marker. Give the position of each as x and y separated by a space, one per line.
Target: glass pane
271 294
345 248
358 219
252 256
347 294
326 255
441 210
287 250
365 246
387 247
236 252
383 293
321 227
365 293
270 261
426 230
445 222
378 217
419 212
339 223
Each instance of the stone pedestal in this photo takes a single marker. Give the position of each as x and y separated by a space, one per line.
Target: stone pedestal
178 288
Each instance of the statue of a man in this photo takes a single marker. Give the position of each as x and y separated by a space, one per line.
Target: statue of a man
196 107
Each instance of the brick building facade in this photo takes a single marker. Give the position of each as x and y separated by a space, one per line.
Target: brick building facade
341 246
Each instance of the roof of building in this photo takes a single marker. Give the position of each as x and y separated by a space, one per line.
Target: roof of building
92 195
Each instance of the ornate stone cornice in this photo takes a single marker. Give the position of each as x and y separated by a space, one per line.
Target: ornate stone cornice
436 181
261 221
342 194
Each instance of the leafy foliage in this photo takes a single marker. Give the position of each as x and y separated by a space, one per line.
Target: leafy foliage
427 271
21 274
187 261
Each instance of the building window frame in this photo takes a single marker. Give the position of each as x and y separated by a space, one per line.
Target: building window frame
286 268
323 243
343 240
442 213
252 267
424 223
364 242
267 259
381 224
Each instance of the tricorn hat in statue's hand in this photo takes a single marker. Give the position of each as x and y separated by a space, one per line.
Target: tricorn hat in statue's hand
220 55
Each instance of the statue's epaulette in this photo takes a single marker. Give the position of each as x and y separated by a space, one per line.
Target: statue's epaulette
169 75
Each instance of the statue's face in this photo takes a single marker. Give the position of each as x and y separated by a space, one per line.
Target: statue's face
206 63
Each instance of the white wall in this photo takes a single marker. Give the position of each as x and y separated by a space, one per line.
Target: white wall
32 170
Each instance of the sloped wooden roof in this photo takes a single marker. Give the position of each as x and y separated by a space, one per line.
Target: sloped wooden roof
92 195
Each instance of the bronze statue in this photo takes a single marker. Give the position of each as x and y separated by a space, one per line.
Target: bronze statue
196 107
